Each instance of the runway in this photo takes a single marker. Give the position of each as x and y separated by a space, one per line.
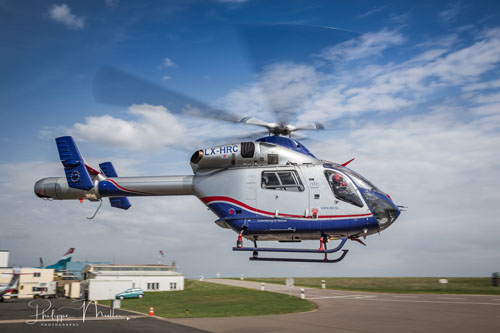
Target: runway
344 311
337 311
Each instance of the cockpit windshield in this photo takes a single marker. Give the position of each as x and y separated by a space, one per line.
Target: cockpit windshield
379 203
356 177
343 188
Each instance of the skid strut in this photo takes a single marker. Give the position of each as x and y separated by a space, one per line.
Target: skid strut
321 250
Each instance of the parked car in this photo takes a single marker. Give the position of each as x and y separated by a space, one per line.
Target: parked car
131 293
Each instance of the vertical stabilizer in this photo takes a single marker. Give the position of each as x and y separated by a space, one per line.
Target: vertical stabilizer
74 167
61 263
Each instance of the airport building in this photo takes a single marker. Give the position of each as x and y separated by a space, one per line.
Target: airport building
104 281
31 281
4 258
74 268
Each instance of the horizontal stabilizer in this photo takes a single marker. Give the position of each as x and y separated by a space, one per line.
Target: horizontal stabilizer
108 170
74 167
121 202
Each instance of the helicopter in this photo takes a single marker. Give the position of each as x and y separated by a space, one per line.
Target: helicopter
269 189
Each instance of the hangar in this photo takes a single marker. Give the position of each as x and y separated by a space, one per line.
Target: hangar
104 281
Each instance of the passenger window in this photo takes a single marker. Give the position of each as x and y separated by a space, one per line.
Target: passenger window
286 178
270 179
282 180
342 188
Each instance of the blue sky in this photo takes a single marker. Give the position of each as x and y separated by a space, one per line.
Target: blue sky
418 82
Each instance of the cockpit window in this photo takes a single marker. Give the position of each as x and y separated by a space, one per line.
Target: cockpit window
358 179
343 188
282 180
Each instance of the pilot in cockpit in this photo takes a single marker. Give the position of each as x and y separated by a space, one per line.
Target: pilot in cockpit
343 188
338 182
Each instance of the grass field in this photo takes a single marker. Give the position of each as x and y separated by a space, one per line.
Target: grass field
205 299
397 284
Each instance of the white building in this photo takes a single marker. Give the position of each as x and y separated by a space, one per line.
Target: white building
104 281
30 280
4 258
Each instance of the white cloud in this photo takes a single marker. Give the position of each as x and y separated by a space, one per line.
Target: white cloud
318 94
62 14
393 86
492 84
282 87
451 13
367 45
167 62
154 129
166 77
373 11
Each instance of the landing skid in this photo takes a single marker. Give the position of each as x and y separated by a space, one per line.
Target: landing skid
322 250
326 260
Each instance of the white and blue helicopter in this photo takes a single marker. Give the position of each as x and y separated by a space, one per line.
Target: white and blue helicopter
270 189
278 191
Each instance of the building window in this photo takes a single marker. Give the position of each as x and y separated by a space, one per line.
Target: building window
153 285
173 285
36 274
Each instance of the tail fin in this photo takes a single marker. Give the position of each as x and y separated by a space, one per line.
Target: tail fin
12 285
74 166
61 263
108 170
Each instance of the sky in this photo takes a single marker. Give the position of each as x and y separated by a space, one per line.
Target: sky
410 89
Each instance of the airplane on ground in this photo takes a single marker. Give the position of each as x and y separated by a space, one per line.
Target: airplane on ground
11 286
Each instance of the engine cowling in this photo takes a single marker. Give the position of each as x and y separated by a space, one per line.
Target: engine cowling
246 154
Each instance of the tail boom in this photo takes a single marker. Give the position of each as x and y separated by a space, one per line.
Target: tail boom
57 188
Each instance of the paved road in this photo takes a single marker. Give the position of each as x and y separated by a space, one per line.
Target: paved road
343 311
19 315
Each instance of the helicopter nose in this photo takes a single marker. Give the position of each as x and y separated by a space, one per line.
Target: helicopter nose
389 214
384 210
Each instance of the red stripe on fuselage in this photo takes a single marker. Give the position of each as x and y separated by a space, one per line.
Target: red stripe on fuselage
92 170
127 190
209 200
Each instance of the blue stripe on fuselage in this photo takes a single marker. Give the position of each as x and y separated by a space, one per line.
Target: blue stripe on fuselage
262 224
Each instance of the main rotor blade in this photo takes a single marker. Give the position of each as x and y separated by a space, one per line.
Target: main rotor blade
286 56
116 87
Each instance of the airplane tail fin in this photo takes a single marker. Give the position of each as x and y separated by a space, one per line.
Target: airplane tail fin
108 170
74 166
61 263
12 285
68 253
